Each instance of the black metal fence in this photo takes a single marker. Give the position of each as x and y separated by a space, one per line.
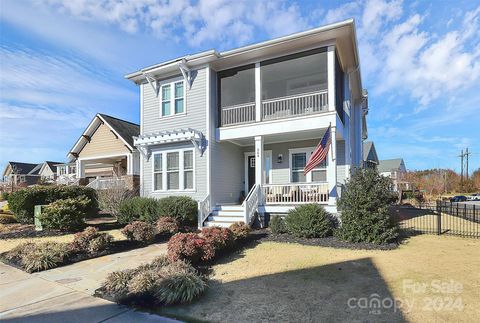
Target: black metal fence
441 217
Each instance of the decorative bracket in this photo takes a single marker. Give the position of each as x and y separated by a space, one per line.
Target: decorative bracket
145 151
199 142
186 72
153 82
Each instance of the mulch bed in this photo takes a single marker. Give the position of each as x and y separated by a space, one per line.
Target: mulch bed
330 242
115 247
17 231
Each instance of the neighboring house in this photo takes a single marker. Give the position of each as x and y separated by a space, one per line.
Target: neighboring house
234 129
103 156
21 174
370 157
48 171
395 169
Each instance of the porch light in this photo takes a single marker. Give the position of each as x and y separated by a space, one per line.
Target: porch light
280 158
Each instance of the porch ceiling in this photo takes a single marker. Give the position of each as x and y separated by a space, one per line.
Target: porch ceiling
286 137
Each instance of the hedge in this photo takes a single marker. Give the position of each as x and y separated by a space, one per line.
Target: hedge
22 202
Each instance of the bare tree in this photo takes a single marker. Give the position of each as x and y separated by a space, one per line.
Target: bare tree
110 199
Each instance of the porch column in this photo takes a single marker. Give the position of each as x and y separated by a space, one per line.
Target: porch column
80 168
332 169
258 93
331 77
259 160
129 164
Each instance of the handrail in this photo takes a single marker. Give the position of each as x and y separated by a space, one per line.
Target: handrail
105 183
240 105
238 114
296 193
295 96
250 205
203 210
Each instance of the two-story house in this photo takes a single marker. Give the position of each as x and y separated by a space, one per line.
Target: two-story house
235 129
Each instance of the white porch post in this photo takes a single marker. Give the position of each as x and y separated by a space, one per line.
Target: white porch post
258 93
259 160
331 77
129 164
80 168
332 169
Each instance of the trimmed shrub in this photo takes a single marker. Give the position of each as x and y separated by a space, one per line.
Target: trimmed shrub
7 218
160 282
277 225
139 231
309 221
182 208
167 225
44 256
240 230
91 240
4 196
22 202
66 215
364 206
188 246
15 254
220 238
138 209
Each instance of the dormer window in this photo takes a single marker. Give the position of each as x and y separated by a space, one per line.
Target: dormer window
172 99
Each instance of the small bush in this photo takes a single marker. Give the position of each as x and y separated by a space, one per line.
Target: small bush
116 284
139 231
91 240
138 209
182 208
187 246
5 196
277 225
167 225
7 218
66 215
220 238
364 205
160 282
240 230
44 256
309 221
15 254
182 287
22 202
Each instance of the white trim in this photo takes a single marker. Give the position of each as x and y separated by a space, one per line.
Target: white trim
245 166
258 93
305 150
331 77
209 124
141 108
181 171
103 156
172 83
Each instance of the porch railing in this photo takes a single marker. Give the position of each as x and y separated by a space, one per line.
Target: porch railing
238 114
295 105
250 205
295 193
106 183
204 210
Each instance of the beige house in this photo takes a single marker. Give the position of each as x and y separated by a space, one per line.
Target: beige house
103 156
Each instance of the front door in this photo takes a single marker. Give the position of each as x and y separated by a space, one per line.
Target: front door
251 172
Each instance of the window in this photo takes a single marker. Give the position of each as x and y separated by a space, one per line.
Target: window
173 170
172 98
62 170
298 160
73 169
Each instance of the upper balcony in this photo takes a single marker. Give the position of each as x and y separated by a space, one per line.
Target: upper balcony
281 88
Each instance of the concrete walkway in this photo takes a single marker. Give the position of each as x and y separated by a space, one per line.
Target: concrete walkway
65 294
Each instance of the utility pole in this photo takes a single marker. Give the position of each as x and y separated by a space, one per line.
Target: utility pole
466 155
461 167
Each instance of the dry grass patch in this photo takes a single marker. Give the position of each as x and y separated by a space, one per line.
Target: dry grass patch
290 282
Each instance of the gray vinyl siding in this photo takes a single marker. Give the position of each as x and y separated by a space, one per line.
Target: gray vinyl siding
341 164
195 118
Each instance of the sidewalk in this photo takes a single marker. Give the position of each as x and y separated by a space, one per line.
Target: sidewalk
64 294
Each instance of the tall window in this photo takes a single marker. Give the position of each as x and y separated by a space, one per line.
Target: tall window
172 98
299 160
173 170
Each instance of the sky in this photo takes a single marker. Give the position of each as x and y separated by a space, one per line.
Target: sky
61 62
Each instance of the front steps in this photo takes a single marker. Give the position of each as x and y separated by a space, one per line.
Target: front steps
225 216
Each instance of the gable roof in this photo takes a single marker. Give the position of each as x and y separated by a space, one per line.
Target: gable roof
51 164
21 168
369 152
125 130
388 164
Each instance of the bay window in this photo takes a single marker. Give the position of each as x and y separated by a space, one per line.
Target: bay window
172 99
173 170
298 161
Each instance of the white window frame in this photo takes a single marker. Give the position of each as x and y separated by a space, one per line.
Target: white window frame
181 176
172 99
308 151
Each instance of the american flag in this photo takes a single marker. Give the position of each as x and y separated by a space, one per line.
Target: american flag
320 153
